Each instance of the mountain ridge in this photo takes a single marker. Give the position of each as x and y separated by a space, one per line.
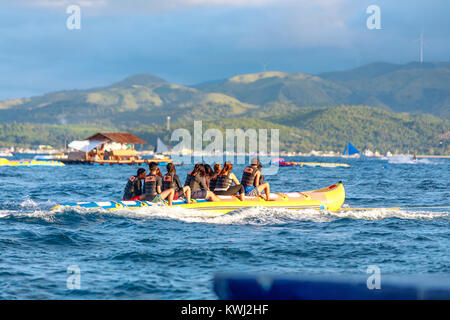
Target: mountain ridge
145 101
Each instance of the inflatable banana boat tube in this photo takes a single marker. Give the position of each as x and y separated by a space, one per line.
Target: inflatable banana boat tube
313 164
330 198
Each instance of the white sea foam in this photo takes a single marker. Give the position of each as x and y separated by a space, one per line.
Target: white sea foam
385 213
409 160
28 203
4 213
248 216
41 214
262 216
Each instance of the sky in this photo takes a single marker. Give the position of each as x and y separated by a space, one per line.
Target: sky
193 41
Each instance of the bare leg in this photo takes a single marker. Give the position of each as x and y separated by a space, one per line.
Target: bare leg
242 193
187 192
265 186
211 196
169 193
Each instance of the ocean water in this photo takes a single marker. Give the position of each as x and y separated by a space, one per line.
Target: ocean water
169 253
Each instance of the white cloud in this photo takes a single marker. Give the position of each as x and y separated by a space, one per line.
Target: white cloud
274 23
61 3
302 23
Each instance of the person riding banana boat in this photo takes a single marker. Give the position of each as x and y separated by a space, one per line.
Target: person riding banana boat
196 180
152 187
224 181
171 181
198 183
251 181
134 187
213 178
230 196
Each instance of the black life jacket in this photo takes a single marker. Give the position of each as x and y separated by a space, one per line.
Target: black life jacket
150 184
196 183
168 182
133 188
188 179
223 182
248 177
212 182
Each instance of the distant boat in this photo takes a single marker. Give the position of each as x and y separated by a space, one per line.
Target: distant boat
161 148
351 151
160 151
6 154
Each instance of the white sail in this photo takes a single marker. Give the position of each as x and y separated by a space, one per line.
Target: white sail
161 147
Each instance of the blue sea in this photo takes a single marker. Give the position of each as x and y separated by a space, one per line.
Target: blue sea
169 253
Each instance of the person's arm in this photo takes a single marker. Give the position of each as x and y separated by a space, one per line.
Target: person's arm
126 192
179 186
178 182
202 182
257 178
235 180
158 184
140 186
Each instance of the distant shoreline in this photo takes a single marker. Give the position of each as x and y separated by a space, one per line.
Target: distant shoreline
323 154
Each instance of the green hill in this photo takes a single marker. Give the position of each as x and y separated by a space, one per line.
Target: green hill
330 128
319 128
413 87
304 105
369 128
280 88
144 98
125 103
32 135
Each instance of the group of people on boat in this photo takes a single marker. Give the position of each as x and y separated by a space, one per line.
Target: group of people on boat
203 182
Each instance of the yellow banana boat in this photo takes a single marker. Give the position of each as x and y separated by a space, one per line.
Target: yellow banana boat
330 198
30 163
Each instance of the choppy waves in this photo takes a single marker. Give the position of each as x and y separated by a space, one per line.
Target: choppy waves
173 253
248 216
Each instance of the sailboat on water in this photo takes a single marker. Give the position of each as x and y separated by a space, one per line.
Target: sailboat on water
160 151
351 151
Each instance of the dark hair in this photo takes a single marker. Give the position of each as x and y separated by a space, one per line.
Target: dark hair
152 166
199 169
171 168
227 167
209 171
140 171
196 167
259 166
217 167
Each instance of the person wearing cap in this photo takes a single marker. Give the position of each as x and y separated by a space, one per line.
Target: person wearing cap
251 180
225 179
133 189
